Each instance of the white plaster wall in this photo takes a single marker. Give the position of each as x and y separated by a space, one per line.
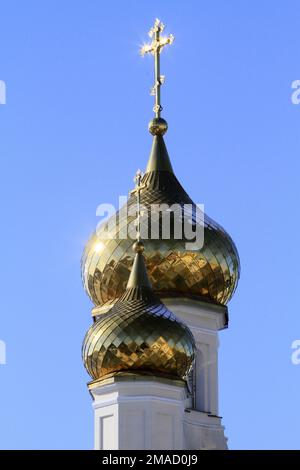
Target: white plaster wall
139 415
204 320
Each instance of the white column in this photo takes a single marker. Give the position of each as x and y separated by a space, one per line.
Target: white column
134 412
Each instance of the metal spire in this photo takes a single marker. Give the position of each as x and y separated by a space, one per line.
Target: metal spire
156 46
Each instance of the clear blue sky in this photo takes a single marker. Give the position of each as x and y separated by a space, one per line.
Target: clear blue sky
72 135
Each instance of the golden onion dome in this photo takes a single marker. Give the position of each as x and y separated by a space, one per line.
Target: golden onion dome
138 334
210 273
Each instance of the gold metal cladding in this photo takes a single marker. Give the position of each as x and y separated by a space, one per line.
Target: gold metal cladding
138 336
155 48
210 273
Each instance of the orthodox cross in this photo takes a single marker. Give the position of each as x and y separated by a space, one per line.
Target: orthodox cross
156 46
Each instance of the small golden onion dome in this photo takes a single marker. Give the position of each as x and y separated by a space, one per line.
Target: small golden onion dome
210 273
138 335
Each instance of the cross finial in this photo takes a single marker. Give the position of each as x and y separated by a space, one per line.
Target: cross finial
137 179
155 47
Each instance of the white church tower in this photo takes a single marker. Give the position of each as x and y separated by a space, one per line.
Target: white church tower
152 351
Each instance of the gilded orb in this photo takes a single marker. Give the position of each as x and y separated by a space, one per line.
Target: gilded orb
138 247
158 126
